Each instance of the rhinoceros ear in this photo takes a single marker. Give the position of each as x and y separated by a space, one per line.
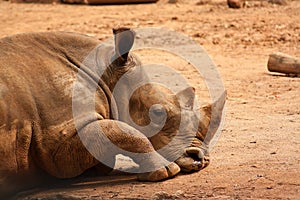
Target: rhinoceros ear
124 39
186 97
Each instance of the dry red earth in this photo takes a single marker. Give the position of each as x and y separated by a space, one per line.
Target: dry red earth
257 155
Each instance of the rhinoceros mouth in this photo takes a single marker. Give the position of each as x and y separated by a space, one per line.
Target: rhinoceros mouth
194 159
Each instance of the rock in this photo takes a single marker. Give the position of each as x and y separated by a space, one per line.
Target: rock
278 2
179 193
235 3
203 2
161 195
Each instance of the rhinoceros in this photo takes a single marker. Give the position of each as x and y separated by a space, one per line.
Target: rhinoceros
39 133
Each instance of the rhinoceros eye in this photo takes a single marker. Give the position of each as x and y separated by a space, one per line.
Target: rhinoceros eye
157 113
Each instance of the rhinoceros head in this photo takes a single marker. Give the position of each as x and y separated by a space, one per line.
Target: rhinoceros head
177 129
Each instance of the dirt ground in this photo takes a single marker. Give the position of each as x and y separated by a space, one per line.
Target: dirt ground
258 153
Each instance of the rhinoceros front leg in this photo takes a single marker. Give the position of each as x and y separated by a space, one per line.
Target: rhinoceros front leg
65 152
106 138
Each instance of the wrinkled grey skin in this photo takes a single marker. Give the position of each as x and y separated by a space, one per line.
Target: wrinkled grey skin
40 137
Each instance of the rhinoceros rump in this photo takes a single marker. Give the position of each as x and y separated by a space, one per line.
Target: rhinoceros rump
39 137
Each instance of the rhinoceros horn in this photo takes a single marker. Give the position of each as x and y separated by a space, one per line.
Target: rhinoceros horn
124 39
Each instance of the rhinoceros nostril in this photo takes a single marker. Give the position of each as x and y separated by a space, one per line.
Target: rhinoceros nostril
193 156
195 153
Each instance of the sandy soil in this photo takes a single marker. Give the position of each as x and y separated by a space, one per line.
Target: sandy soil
257 155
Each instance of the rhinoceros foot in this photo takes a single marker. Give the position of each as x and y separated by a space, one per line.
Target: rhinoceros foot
163 173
